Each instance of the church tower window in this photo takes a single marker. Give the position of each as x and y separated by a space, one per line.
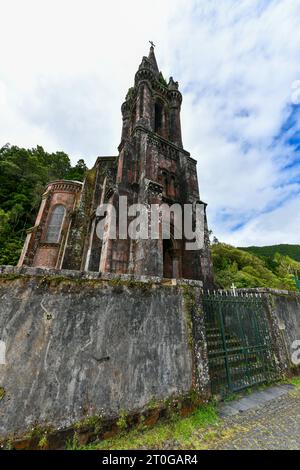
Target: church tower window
158 117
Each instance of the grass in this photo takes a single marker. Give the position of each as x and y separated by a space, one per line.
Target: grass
177 431
197 431
294 381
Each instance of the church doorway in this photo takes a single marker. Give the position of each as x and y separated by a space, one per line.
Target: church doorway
171 259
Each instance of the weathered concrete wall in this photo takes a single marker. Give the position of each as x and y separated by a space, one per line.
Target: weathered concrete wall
283 311
78 345
74 345
286 308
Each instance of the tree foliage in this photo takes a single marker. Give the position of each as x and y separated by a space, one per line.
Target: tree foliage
244 269
24 174
268 252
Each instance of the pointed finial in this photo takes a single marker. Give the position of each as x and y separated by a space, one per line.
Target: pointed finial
152 59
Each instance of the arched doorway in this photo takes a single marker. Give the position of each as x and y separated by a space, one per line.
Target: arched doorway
171 259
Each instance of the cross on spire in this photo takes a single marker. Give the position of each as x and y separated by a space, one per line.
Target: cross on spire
152 59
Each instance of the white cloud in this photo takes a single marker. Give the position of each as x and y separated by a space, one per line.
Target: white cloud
66 67
281 225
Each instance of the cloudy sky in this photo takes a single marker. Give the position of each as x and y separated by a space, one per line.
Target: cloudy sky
66 67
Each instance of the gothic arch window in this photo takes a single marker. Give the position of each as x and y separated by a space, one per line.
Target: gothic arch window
55 224
172 186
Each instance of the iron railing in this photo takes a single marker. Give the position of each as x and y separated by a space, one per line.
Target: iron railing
240 349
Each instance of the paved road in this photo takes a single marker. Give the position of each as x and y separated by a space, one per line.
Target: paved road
265 420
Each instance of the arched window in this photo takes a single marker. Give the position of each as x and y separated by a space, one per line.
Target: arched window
55 224
171 187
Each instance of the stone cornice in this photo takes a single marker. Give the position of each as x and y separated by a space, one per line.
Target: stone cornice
158 138
65 186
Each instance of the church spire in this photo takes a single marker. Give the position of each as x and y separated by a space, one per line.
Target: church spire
152 58
152 103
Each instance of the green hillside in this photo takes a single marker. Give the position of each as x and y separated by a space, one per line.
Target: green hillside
293 251
245 269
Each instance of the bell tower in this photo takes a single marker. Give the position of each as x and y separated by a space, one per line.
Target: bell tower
154 168
153 103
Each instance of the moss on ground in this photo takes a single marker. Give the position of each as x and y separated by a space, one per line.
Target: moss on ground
294 381
199 430
2 393
176 430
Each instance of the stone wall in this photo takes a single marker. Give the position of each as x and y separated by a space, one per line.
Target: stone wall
286 309
79 345
76 345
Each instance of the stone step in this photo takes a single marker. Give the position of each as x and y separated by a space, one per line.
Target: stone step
238 349
219 362
211 344
248 375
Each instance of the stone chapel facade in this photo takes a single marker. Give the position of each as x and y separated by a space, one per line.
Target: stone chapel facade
152 167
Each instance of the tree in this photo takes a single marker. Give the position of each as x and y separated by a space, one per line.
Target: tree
248 270
78 172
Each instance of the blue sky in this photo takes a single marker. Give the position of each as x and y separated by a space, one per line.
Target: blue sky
68 65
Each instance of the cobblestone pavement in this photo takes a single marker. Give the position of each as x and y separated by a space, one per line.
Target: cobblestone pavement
272 425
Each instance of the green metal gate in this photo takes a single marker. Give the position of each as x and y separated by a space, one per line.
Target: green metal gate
240 351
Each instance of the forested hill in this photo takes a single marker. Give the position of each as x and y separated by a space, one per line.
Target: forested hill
24 174
293 251
246 269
